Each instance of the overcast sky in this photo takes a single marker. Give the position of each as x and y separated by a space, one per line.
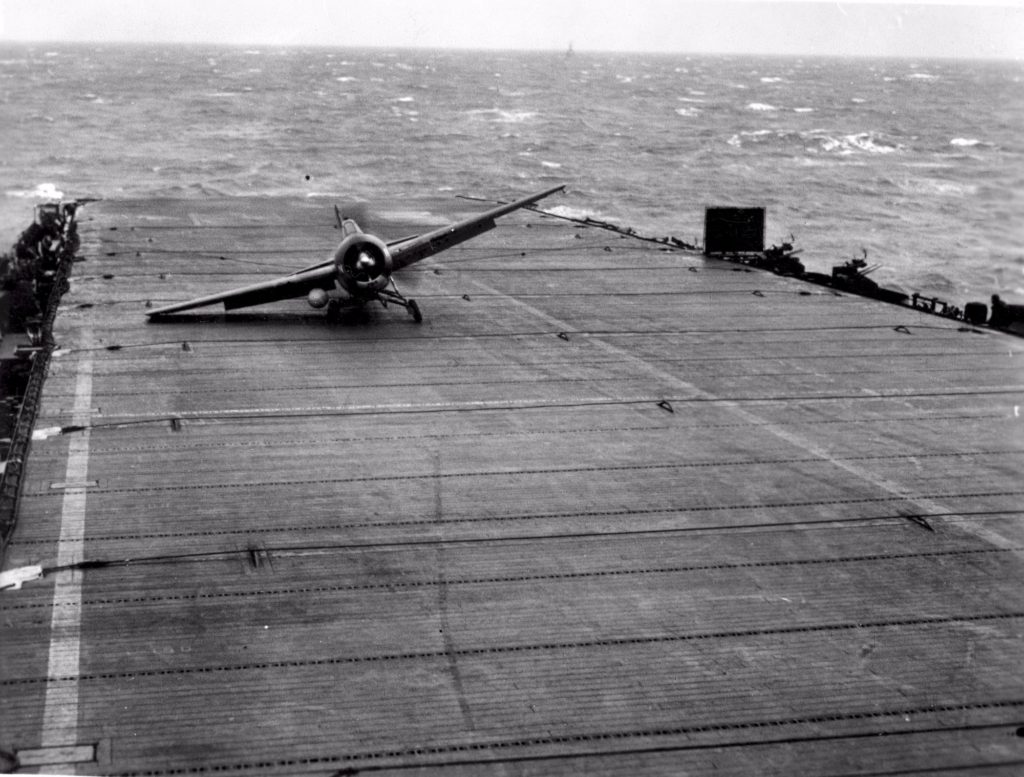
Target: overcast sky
960 28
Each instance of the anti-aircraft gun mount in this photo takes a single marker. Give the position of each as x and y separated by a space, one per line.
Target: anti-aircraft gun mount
28 276
32 279
737 235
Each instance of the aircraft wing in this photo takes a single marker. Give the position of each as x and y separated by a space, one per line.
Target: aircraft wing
287 287
413 248
321 276
405 252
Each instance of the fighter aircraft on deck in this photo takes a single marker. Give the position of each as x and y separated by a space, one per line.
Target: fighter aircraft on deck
360 270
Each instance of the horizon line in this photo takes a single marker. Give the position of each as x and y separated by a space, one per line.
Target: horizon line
481 50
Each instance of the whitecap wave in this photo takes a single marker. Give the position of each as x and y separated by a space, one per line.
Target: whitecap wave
966 142
571 213
936 186
552 165
410 216
688 111
503 117
771 80
818 141
761 107
803 110
44 191
736 141
868 142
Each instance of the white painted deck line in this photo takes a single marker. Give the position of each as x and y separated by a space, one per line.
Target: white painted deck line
60 713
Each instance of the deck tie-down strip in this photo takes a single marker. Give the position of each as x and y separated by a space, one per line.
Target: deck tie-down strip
219 443
499 750
111 419
393 586
444 655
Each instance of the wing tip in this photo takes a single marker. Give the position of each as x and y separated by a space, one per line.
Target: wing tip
166 310
547 193
170 310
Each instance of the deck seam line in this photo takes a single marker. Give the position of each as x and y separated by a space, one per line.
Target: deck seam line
515 538
218 443
412 408
502 382
576 363
414 340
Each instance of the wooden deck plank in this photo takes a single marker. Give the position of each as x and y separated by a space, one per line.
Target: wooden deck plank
725 522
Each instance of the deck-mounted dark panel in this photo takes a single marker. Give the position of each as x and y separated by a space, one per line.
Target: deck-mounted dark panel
733 230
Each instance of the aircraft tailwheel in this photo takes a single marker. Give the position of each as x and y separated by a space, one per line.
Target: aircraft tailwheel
414 311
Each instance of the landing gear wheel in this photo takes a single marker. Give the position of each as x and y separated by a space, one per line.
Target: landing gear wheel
333 310
414 311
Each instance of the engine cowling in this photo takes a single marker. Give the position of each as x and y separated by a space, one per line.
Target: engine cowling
364 263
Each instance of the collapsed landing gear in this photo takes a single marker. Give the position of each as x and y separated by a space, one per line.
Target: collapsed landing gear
334 310
394 295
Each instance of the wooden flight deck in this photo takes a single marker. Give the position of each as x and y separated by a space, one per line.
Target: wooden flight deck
610 509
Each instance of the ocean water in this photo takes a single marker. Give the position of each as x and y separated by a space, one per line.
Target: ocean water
921 163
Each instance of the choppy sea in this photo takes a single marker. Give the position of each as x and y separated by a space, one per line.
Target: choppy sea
921 163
